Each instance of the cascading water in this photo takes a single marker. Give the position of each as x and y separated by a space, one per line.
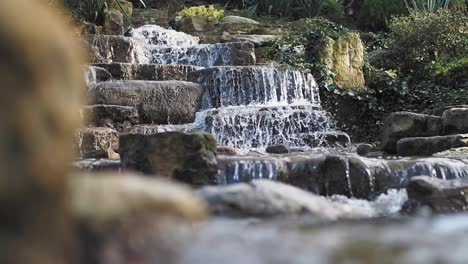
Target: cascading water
254 107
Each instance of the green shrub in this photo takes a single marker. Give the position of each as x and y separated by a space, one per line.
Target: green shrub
375 14
202 11
332 9
423 39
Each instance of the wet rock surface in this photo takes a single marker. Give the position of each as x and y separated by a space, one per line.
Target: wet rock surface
149 72
440 196
159 102
95 74
405 124
426 146
265 198
186 157
277 149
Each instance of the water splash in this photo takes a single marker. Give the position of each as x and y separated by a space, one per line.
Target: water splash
233 86
255 127
158 36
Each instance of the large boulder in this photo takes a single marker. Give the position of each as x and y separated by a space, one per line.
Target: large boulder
112 116
238 20
96 142
264 198
441 196
257 40
455 120
111 48
190 158
160 102
149 72
405 124
426 146
345 56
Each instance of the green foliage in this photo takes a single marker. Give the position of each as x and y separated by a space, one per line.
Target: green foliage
426 5
202 11
375 14
423 39
331 9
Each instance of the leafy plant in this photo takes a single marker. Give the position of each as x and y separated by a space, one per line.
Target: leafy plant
202 11
423 39
426 5
375 14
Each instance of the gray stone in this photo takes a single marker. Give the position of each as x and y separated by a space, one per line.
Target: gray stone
455 121
237 20
277 149
364 149
159 102
328 139
426 146
264 198
149 72
96 142
257 40
109 49
95 165
405 124
150 16
227 151
155 129
189 158
440 110
113 22
441 196
112 116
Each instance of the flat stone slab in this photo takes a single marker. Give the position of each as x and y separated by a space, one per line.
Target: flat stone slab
149 72
426 146
159 102
405 124
93 75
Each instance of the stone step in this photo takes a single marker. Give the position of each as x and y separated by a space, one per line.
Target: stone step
255 85
156 129
204 55
93 75
343 174
150 72
112 116
95 165
158 102
406 124
258 127
426 146
96 142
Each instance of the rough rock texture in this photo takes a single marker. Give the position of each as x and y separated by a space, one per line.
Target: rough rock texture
196 23
345 56
257 40
440 196
164 102
405 124
126 217
364 149
122 6
112 116
454 153
94 75
264 198
277 149
455 120
109 49
149 72
97 165
426 146
189 158
227 151
96 142
155 129
113 22
440 111
328 139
